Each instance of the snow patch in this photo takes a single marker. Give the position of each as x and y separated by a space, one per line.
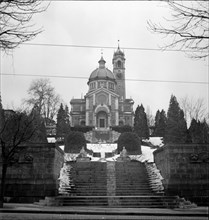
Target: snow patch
51 140
62 147
147 154
155 141
102 148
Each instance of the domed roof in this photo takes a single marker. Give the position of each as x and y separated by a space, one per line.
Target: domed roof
102 72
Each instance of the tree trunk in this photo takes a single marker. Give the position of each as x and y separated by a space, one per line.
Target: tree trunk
3 178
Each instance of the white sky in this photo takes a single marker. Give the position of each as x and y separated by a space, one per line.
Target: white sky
102 24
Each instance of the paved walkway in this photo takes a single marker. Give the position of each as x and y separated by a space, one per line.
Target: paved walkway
13 210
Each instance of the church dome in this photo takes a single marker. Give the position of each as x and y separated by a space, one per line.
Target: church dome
102 72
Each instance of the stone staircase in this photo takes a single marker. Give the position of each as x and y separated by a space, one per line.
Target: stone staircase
113 184
88 179
131 179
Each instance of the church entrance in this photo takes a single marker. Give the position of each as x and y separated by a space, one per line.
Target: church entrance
102 119
102 123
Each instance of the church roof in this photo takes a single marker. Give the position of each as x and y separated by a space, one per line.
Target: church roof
118 52
102 72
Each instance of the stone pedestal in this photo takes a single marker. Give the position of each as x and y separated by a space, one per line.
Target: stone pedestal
82 157
123 156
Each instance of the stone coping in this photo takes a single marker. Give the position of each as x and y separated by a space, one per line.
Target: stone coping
47 145
32 208
179 146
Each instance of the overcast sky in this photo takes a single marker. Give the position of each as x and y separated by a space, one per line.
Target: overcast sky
102 24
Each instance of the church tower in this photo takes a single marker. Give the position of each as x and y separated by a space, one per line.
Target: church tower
118 62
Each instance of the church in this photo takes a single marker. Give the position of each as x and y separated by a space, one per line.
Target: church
105 104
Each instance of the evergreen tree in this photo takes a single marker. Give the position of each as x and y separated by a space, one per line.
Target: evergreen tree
67 119
176 130
160 124
130 141
182 126
40 134
157 118
136 121
205 130
63 122
199 132
140 122
74 141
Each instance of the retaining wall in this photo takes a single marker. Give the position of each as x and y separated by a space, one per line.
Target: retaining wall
185 169
36 173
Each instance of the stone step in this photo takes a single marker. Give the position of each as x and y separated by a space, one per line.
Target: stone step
137 185
132 187
87 180
133 193
90 190
124 187
131 181
119 201
93 184
112 183
80 180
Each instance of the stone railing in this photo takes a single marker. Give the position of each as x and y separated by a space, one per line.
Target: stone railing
155 178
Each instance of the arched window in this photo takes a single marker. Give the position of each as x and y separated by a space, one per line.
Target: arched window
119 64
111 86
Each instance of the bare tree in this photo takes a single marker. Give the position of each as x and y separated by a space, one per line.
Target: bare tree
16 128
189 27
43 96
194 109
15 21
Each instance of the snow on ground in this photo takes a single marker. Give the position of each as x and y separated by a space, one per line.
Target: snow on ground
147 153
102 147
51 139
155 141
62 147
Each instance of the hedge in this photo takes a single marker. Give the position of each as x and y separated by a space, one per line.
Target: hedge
74 142
131 142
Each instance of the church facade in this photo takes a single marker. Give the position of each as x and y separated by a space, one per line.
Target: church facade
105 104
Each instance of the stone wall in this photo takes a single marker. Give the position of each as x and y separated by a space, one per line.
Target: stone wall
185 169
36 173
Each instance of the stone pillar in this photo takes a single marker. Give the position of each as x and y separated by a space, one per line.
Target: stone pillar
109 119
94 101
94 120
87 104
109 99
116 103
87 118
116 118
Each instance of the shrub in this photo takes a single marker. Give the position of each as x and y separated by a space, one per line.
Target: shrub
122 129
130 141
74 142
82 129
